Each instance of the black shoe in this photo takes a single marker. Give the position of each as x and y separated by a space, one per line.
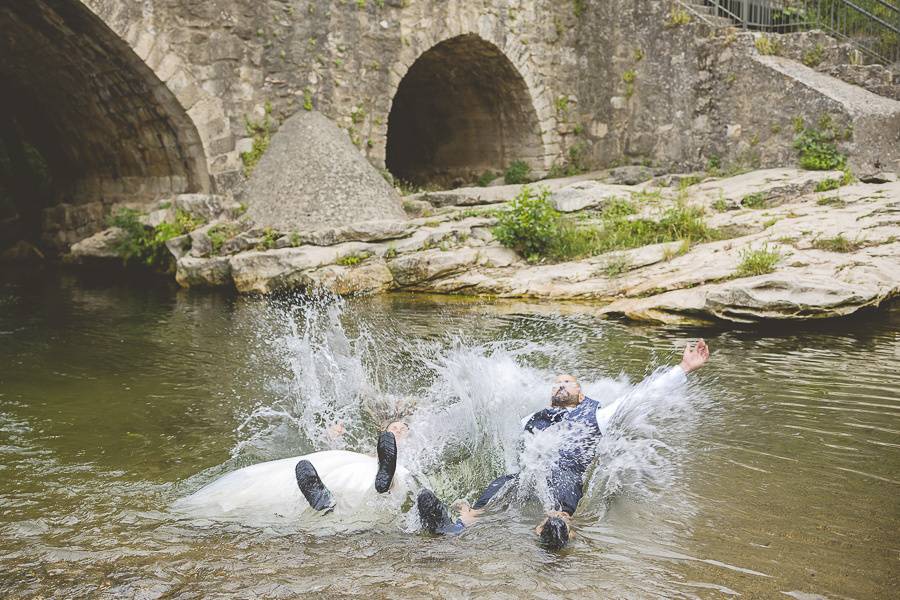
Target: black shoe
555 533
434 516
312 487
387 461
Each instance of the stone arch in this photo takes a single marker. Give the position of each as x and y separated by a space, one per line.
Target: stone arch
460 107
105 125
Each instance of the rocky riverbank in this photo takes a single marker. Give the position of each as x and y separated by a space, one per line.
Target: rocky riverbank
830 249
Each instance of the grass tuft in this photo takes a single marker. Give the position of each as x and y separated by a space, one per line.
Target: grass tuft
757 262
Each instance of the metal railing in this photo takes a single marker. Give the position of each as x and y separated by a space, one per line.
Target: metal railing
873 26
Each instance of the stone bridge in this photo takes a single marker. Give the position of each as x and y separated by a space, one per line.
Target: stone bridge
127 101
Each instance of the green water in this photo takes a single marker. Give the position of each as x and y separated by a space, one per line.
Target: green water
118 398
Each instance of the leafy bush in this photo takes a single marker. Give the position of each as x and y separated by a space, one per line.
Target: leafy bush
146 245
269 237
517 172
826 185
537 231
757 262
530 225
817 149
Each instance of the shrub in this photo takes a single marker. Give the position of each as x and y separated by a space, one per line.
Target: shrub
517 172
147 245
817 149
530 225
351 260
757 262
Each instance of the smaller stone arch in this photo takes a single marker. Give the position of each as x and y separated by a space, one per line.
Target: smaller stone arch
461 108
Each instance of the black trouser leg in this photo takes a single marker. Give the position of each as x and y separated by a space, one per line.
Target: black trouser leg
493 488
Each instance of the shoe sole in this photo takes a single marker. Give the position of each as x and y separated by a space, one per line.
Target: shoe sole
312 488
387 462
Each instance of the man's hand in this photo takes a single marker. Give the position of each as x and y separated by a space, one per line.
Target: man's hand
695 356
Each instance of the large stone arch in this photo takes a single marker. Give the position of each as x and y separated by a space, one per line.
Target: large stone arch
480 42
107 128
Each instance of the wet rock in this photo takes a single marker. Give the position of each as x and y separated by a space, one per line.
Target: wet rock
191 271
101 245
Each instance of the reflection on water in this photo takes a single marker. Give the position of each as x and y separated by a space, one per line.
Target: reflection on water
776 471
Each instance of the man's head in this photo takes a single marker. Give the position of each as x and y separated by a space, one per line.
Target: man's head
566 392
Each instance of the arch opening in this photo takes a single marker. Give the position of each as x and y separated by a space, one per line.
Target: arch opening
84 124
461 109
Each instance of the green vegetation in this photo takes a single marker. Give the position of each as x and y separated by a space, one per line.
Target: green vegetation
261 133
616 265
826 185
351 260
684 248
144 245
562 105
486 178
720 205
357 115
269 237
629 78
814 56
835 201
677 17
575 162
768 45
534 229
390 253
836 244
756 200
578 7
219 234
307 99
517 172
817 148
757 262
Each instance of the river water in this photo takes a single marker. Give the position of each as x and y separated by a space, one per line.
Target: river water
774 473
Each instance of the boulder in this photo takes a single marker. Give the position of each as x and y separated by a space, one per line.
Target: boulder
312 177
285 268
415 268
101 245
370 277
191 271
630 175
582 195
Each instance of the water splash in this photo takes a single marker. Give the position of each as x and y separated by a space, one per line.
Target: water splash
464 402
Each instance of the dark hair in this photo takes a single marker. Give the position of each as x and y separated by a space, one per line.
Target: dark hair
555 533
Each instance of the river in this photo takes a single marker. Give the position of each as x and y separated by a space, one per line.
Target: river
774 473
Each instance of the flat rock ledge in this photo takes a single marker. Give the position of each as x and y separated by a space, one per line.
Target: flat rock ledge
452 251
